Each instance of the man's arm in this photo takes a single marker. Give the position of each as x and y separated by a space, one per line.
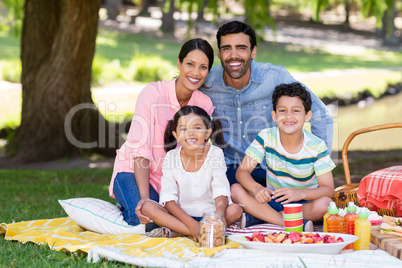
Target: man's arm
321 122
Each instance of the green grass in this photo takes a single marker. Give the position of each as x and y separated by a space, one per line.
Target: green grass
29 195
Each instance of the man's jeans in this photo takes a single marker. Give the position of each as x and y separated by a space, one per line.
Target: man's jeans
258 174
125 189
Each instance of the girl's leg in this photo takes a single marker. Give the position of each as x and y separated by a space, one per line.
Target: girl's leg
233 213
163 218
125 189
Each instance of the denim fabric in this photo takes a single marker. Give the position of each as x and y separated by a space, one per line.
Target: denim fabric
125 189
258 174
279 207
244 113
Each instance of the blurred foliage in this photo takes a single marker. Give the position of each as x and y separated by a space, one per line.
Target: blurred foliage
11 70
150 68
12 19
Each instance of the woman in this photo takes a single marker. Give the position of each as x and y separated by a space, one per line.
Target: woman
138 165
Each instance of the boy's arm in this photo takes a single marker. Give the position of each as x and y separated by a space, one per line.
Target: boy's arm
288 194
243 176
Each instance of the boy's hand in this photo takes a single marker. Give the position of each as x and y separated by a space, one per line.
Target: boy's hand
287 195
262 194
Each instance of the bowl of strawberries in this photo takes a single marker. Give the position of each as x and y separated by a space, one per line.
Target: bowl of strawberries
301 242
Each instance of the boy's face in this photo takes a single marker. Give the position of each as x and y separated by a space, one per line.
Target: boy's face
290 114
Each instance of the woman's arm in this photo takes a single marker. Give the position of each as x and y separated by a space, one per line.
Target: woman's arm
141 171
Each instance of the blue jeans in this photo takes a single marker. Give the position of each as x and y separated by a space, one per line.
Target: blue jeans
127 194
258 174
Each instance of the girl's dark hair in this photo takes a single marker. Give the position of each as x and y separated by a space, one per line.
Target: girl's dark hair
215 124
197 43
234 27
292 90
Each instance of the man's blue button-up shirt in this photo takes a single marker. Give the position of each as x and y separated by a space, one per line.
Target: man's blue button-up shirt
245 112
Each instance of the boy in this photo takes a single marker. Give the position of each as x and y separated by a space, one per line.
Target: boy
298 164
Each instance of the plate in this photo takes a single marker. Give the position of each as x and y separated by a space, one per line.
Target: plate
329 248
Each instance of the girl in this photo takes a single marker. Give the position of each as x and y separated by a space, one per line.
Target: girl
138 165
194 175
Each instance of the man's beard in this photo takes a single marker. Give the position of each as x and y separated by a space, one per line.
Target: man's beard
237 73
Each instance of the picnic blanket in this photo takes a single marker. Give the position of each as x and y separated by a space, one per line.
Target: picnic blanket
65 234
382 189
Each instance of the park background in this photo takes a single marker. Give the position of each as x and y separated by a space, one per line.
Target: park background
338 48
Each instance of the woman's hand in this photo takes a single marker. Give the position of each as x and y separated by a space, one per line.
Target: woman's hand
143 219
287 195
262 194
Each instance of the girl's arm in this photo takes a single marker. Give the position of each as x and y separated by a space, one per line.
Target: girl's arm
326 188
243 176
221 203
178 212
141 171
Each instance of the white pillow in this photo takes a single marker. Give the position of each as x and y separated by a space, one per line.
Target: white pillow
98 216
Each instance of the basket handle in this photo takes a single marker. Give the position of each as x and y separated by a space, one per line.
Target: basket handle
350 138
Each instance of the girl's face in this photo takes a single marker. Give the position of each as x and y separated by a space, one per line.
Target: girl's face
290 114
193 70
191 132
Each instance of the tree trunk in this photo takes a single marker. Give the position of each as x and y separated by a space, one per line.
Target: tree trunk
145 4
113 8
58 117
388 26
201 10
346 23
167 18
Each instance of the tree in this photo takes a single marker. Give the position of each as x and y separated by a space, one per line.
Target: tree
58 117
113 8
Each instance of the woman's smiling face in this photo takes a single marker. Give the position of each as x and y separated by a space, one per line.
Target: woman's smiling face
193 70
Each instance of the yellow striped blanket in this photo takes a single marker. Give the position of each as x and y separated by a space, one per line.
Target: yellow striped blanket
63 233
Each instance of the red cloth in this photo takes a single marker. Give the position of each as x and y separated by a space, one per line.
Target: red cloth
382 189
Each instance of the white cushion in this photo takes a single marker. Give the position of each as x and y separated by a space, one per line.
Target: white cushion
98 216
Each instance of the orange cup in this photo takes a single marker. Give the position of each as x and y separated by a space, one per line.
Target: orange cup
293 223
292 208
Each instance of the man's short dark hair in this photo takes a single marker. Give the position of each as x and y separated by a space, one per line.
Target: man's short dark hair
234 27
292 90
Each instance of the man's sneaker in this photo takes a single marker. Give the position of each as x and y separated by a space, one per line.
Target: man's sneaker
308 226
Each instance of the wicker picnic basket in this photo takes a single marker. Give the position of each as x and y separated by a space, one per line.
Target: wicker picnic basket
348 192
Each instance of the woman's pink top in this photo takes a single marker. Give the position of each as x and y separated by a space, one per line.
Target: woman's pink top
156 105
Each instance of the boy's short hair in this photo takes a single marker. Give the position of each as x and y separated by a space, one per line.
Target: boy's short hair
292 90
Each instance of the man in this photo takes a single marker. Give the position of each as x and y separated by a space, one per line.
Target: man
241 91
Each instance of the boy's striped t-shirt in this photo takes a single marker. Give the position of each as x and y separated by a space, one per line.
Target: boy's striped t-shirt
298 170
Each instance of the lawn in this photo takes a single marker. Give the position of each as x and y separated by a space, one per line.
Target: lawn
29 195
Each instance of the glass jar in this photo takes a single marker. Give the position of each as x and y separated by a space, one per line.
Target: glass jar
212 230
